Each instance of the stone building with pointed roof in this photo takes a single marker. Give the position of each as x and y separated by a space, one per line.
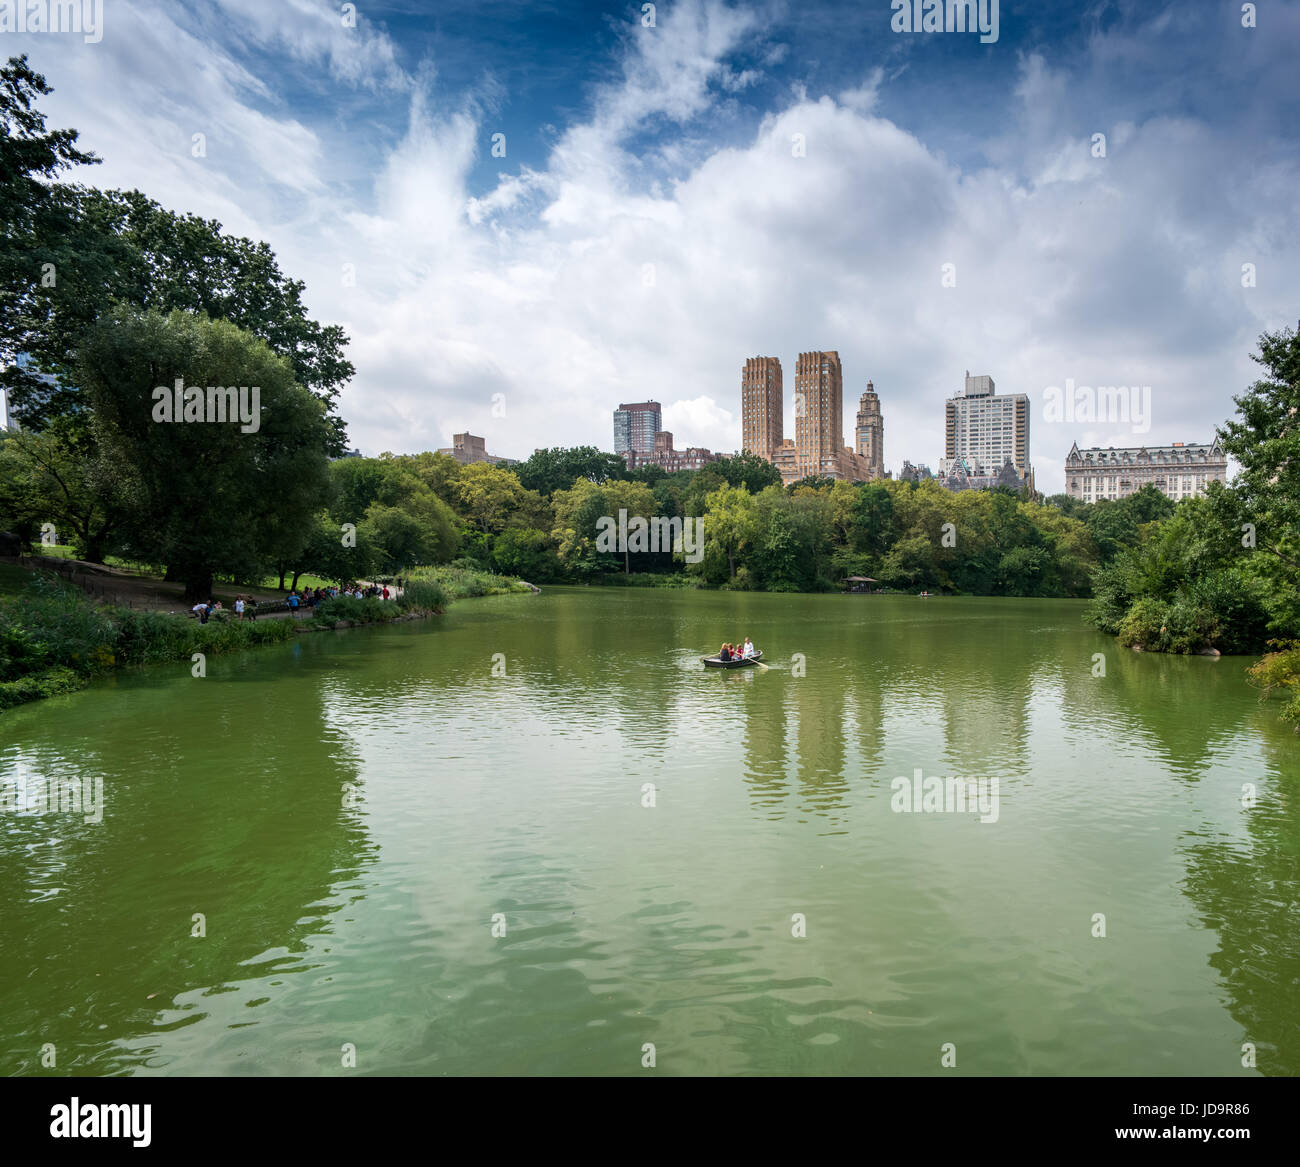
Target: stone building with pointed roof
1178 470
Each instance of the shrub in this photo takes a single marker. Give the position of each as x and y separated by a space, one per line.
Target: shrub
423 595
1280 671
370 610
49 683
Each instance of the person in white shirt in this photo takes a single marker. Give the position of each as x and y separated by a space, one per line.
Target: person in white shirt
748 650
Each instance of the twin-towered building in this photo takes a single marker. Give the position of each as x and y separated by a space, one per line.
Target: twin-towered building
817 448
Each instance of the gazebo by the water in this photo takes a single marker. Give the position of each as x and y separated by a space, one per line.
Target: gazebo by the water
854 583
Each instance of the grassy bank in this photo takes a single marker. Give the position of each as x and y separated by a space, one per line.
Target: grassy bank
53 639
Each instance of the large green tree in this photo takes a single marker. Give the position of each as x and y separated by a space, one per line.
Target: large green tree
203 497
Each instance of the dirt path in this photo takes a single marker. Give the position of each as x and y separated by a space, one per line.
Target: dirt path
115 585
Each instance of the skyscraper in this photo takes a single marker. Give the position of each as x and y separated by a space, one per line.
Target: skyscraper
871 432
984 431
761 405
635 427
818 412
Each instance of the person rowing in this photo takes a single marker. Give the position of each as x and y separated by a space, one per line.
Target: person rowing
748 650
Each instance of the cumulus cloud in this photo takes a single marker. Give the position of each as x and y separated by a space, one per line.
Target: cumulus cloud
648 256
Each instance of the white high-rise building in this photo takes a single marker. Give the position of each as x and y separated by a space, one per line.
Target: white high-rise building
984 430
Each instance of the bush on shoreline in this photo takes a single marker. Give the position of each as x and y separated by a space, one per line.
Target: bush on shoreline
1280 671
459 582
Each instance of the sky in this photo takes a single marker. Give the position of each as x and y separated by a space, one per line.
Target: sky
527 212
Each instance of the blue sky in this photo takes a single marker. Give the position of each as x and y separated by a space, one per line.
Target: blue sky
652 223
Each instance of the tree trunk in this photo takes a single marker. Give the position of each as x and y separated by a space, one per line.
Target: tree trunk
293 587
198 584
282 579
731 562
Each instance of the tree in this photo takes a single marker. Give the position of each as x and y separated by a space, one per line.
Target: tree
525 552
36 217
490 494
559 468
203 496
51 477
121 248
747 470
873 519
1264 438
730 522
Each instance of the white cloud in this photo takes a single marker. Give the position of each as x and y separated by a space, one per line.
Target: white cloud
615 272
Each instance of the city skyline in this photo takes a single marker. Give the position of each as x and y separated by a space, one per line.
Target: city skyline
674 196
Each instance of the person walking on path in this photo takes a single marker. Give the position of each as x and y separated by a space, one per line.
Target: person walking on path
293 605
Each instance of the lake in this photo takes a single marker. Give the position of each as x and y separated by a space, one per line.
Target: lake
535 836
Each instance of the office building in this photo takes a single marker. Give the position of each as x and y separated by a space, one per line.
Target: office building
635 426
467 448
985 430
761 406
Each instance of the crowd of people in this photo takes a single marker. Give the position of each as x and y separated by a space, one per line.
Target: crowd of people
245 607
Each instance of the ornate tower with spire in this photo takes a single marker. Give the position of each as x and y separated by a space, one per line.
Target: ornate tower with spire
871 432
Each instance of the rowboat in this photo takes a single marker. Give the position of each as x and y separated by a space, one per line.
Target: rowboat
712 662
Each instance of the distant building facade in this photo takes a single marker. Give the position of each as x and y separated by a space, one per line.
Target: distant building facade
762 403
911 473
663 454
635 426
818 445
960 478
467 448
871 432
984 430
1178 470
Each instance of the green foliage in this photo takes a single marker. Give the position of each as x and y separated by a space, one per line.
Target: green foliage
48 683
1279 672
370 610
459 582
525 552
424 595
202 497
53 639
747 470
551 470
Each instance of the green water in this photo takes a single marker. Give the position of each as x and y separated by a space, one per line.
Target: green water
349 813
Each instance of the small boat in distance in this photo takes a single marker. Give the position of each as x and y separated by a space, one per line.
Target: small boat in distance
712 662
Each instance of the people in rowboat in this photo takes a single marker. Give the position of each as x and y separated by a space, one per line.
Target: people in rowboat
748 650
724 653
